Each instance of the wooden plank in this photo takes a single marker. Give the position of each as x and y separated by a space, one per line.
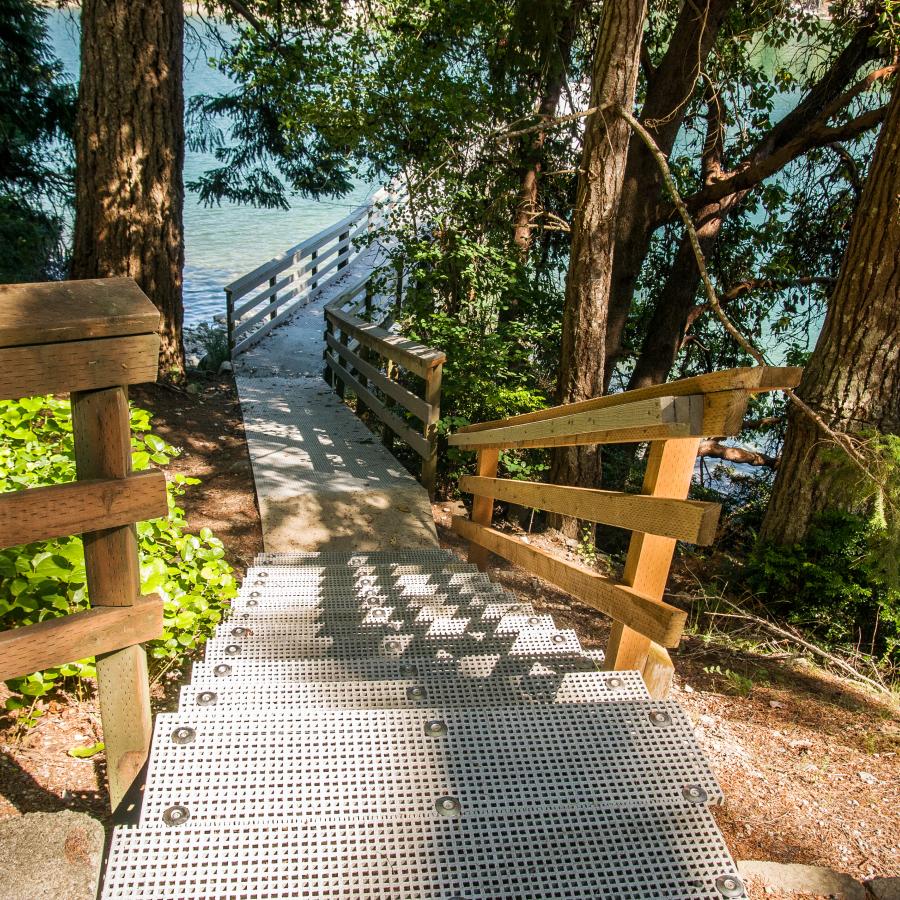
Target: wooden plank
754 380
684 520
266 311
395 423
672 416
102 437
265 295
263 330
55 642
411 355
408 400
659 621
658 672
77 365
670 467
433 400
486 464
123 688
55 311
59 510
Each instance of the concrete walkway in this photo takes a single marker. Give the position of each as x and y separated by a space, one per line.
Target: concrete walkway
323 480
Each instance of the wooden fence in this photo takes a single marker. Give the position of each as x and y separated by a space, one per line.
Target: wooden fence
674 418
90 339
367 358
258 301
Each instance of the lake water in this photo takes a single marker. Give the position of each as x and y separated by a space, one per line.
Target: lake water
221 242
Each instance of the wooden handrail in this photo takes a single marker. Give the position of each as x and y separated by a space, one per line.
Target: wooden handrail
355 352
90 339
673 417
302 270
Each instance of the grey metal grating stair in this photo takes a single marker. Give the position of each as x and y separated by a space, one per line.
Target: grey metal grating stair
394 725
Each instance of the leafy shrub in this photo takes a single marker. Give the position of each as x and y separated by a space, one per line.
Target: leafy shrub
833 584
43 580
213 340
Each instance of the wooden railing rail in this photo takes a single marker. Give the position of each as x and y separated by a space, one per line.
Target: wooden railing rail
90 339
674 418
366 358
258 301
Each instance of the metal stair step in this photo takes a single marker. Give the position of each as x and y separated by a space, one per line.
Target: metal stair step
475 665
477 607
448 638
672 851
429 621
447 692
427 555
220 762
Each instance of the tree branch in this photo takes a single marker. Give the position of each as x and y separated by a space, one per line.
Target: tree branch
713 447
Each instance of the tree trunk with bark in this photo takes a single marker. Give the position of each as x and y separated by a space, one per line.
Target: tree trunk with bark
853 377
528 206
600 179
129 147
669 89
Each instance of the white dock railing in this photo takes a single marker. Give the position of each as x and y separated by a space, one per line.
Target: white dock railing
258 301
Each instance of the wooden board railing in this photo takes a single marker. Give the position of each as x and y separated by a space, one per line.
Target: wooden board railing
368 359
673 418
90 339
262 299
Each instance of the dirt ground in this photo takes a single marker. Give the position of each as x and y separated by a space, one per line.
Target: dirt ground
808 762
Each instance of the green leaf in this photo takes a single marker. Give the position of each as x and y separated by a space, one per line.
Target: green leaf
87 752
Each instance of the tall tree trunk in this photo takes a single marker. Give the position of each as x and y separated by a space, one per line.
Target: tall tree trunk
533 155
129 147
669 89
853 376
600 178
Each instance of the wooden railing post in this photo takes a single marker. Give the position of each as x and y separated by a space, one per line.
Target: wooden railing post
273 300
102 438
344 250
670 467
387 436
486 464
312 272
229 319
433 399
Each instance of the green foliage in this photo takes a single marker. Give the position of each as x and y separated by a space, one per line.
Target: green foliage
47 579
213 341
36 119
833 584
739 684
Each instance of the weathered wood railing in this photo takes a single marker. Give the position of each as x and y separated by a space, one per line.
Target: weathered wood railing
90 339
673 417
258 301
367 358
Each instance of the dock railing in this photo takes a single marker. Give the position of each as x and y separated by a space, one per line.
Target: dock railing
257 302
89 339
673 418
365 357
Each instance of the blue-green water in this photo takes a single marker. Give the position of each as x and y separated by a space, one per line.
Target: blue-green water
224 241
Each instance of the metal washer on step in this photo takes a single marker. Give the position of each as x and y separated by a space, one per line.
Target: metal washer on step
222 669
694 793
207 698
730 886
448 807
232 650
183 735
176 815
435 728
660 717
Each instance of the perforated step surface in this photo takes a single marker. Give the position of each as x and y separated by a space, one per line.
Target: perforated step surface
475 665
394 725
448 692
400 763
672 851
